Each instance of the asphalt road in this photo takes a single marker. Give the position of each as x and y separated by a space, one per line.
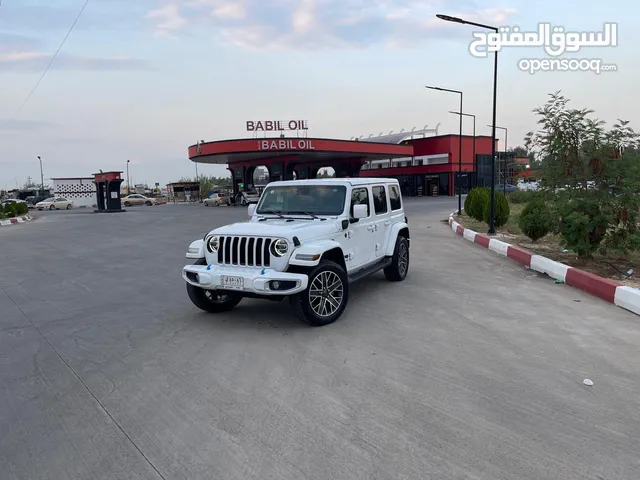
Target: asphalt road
470 369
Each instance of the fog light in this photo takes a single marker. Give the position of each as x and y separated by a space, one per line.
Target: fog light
275 285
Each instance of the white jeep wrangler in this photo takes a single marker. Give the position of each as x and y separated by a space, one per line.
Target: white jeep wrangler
306 240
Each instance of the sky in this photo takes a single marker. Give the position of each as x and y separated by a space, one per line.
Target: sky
143 80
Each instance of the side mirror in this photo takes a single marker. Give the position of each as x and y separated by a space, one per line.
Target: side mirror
360 211
252 209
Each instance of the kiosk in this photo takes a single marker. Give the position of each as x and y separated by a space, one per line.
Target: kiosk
108 192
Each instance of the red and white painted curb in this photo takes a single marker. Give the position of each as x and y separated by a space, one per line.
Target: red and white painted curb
608 290
13 221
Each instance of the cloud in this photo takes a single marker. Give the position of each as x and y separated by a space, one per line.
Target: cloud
35 62
23 54
15 127
167 19
322 24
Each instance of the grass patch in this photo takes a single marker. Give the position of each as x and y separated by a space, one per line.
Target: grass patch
613 267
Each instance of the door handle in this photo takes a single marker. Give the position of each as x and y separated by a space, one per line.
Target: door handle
387 223
371 228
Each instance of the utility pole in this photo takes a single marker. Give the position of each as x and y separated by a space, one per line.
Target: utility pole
41 177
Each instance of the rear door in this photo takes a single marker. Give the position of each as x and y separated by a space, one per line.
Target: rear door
381 222
396 213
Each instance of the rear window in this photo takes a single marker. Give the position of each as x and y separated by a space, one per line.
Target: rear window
379 200
394 197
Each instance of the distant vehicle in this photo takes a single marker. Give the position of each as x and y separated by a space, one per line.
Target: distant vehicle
11 200
506 187
528 186
54 203
248 198
31 201
217 199
137 199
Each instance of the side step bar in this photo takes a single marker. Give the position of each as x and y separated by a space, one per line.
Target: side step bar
366 271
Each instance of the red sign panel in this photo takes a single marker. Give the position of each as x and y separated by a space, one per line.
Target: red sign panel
285 144
276 125
106 177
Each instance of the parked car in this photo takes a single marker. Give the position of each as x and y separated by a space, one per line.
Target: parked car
31 201
54 203
247 198
137 199
217 199
11 200
506 187
307 241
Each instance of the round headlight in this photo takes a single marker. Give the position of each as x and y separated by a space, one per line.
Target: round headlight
213 244
279 247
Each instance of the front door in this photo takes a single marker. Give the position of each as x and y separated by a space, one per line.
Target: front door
358 244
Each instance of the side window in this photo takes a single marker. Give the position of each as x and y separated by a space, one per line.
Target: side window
394 197
379 200
360 196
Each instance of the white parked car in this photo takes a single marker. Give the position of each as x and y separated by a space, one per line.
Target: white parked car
217 199
137 199
306 240
54 203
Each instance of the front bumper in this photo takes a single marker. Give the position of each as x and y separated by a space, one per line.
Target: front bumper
254 280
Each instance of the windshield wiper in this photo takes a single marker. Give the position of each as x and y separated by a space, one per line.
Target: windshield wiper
311 214
274 211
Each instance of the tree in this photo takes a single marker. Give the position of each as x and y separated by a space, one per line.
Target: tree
591 174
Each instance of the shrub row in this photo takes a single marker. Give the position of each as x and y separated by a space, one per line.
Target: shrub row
14 209
478 206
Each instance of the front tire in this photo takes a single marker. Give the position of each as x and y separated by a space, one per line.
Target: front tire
52 207
397 271
148 204
212 301
326 297
69 206
127 204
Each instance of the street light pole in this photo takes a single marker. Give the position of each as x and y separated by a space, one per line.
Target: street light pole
128 184
447 18
504 158
474 134
41 177
459 182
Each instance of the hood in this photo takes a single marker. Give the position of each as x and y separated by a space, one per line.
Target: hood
277 227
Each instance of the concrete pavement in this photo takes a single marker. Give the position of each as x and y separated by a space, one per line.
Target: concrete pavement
470 369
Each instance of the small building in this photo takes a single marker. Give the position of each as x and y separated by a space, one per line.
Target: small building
181 192
80 190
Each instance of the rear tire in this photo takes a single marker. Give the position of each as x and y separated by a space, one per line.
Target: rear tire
212 301
326 297
399 268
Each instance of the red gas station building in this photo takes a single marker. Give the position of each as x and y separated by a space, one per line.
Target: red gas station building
423 165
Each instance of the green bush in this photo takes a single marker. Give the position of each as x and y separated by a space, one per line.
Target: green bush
22 209
477 198
10 209
522 196
536 219
501 210
583 225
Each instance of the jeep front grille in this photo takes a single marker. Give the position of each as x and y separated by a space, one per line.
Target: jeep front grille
244 251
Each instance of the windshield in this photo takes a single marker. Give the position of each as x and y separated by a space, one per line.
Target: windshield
309 199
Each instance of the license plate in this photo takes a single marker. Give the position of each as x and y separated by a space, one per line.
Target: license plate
232 283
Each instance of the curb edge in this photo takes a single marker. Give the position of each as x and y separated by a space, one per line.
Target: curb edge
16 220
608 290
